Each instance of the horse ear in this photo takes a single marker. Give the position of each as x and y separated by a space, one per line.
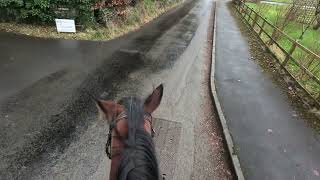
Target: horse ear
106 109
154 99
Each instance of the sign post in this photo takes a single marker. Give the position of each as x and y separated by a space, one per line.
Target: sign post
65 25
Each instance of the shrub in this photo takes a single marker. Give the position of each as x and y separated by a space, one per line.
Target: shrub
45 11
85 12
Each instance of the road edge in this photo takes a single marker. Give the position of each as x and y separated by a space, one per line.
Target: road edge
226 133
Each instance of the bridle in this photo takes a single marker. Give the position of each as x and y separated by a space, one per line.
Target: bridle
113 125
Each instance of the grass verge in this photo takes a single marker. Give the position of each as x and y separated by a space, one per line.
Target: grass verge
135 17
296 96
311 40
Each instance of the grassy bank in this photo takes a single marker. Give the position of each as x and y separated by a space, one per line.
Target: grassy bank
134 18
271 67
311 38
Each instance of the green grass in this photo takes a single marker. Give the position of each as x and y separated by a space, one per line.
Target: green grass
311 40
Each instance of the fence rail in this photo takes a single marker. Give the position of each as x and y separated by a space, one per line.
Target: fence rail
300 62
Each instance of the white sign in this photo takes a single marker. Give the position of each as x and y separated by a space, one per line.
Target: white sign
65 25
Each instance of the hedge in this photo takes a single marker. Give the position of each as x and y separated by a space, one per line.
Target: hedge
45 11
85 12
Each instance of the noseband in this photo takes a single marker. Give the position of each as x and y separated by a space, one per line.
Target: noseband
113 125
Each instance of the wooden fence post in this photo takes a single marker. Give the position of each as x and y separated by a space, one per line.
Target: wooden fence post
240 9
288 56
245 9
255 19
249 16
262 26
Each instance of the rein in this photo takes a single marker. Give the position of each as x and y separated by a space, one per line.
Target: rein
113 125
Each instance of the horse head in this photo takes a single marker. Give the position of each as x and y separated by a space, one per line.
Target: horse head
130 124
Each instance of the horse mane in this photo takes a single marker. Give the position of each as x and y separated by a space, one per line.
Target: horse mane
139 160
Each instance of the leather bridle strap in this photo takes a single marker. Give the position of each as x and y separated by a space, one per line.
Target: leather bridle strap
113 125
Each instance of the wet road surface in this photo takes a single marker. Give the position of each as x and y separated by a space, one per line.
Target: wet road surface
48 123
273 141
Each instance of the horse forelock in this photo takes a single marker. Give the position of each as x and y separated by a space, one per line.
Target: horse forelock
135 116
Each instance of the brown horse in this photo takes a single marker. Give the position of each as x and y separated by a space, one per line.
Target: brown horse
130 145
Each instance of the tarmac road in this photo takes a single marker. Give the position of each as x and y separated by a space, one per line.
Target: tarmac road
48 123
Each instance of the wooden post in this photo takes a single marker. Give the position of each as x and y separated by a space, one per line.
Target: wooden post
242 7
245 9
262 26
249 17
248 14
239 8
255 19
293 47
274 32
